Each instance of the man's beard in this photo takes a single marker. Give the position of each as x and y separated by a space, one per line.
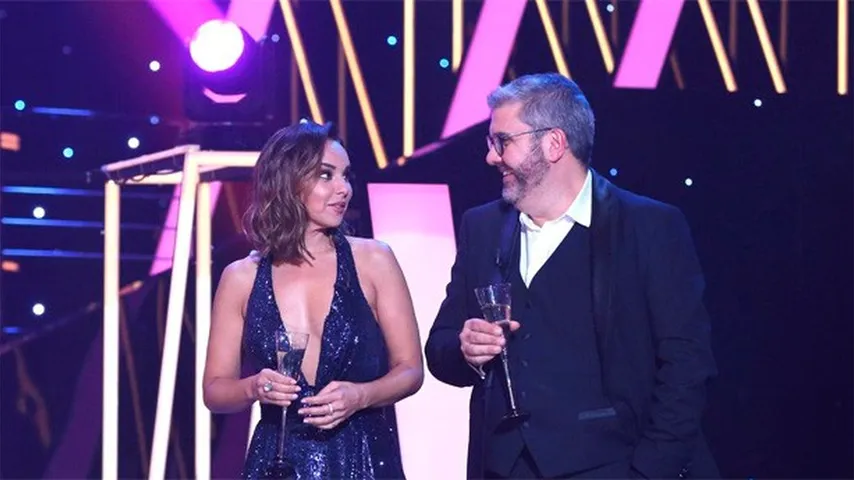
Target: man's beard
528 176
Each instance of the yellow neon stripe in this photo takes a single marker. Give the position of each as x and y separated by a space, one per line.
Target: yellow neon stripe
718 45
677 70
342 95
302 62
601 37
767 47
408 77
359 83
554 42
842 47
456 34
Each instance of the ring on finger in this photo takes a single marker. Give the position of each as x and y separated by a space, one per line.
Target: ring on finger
268 386
331 409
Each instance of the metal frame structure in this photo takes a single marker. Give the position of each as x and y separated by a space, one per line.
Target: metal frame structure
194 170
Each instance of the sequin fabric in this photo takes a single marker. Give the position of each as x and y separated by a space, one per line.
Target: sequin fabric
366 445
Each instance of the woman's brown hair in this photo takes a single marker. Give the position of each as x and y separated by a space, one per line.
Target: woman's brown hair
276 220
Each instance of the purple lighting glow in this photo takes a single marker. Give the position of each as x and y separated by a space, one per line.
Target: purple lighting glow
217 45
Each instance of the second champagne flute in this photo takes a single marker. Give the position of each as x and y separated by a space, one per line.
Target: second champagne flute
290 350
495 302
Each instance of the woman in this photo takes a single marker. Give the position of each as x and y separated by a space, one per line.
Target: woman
348 294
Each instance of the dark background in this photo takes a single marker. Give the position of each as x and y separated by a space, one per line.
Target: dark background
770 206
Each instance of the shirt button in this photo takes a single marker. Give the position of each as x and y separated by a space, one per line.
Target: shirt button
524 363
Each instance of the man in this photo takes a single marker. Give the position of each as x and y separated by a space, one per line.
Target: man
609 352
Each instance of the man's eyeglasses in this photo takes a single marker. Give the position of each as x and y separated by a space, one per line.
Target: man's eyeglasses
500 140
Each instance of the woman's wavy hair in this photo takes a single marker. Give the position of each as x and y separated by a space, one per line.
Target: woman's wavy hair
276 220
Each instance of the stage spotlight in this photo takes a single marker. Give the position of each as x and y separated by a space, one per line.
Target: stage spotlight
217 45
229 76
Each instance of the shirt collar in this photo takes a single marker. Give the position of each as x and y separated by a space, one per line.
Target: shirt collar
579 211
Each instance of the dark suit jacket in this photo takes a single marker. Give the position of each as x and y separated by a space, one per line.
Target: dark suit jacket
652 329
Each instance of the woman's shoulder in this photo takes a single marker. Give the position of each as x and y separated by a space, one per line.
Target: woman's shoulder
374 257
242 272
369 248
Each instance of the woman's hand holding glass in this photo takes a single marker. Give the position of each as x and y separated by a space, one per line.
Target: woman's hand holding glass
334 404
271 387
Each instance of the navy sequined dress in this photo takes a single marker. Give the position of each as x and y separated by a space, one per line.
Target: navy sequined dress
352 349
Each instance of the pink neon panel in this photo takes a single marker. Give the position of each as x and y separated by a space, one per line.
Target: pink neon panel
648 43
416 221
185 16
166 244
485 63
252 15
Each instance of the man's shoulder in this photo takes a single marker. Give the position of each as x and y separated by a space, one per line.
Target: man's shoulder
487 213
636 204
649 216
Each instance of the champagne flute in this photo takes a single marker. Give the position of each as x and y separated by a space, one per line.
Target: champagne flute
290 350
495 303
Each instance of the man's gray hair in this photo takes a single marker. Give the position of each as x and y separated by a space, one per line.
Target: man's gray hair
550 100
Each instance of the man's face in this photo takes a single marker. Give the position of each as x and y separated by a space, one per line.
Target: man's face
515 153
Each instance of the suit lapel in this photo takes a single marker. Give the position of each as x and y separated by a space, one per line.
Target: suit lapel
508 244
506 260
604 235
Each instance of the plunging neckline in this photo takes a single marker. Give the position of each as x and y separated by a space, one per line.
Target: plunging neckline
323 329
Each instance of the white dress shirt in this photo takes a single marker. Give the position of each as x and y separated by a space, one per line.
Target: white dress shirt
539 243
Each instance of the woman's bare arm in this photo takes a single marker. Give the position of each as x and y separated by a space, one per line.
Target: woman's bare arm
224 390
396 317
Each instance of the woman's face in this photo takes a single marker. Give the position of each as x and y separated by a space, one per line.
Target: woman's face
327 196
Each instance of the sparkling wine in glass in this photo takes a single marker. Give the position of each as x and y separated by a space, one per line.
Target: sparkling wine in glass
290 350
495 303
